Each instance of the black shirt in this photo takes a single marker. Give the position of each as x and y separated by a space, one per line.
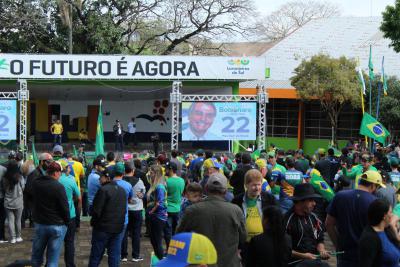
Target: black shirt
237 179
261 252
50 203
306 231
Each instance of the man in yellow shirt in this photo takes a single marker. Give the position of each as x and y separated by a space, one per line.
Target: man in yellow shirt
56 130
79 174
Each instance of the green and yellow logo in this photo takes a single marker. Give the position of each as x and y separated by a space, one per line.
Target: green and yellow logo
3 64
239 62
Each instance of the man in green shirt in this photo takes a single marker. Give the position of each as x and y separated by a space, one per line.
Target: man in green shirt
356 172
73 193
175 188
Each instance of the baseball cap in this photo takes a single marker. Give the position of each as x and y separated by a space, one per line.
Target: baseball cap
54 166
189 248
119 167
171 166
217 181
58 148
373 177
45 156
300 151
271 154
212 163
393 161
261 163
100 162
321 151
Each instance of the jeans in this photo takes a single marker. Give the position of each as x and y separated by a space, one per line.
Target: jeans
2 219
134 227
57 139
119 143
156 233
102 241
50 236
78 215
69 244
170 226
14 222
85 204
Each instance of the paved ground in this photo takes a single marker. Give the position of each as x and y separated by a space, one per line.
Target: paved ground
20 251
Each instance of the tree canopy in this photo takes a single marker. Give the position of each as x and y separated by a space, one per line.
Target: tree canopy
391 25
121 26
292 15
333 82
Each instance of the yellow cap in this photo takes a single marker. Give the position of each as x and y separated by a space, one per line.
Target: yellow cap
373 177
261 163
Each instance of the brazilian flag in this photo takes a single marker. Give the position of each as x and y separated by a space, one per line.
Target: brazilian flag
320 185
372 128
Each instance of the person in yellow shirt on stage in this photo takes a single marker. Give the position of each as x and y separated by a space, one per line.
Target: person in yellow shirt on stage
56 130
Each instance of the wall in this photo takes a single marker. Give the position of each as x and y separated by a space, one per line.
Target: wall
152 121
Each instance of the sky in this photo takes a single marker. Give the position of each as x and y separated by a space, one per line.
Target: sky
358 8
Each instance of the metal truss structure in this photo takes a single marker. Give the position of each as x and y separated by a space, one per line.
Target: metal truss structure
22 95
176 98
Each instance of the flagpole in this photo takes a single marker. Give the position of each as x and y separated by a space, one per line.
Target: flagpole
378 100
363 111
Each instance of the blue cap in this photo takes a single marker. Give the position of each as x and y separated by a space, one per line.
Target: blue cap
189 248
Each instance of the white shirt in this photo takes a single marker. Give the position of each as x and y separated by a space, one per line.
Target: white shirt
188 135
131 127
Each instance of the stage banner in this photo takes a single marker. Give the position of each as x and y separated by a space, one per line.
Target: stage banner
218 121
124 67
8 120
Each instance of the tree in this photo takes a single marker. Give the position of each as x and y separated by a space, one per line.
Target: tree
390 25
292 15
124 26
389 111
332 81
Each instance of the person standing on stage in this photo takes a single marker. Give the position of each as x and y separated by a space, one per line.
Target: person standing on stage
131 132
56 130
118 135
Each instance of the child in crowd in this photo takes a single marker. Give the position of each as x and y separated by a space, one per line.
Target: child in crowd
193 194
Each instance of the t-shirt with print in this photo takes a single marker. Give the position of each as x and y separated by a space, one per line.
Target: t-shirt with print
160 195
253 219
288 181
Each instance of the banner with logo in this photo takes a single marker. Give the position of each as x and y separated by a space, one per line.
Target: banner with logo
120 67
8 120
218 121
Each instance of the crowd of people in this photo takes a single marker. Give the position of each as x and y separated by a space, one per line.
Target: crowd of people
266 208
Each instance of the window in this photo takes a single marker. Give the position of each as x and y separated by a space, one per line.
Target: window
282 117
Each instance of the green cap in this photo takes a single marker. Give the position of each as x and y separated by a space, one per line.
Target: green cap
271 154
119 168
393 161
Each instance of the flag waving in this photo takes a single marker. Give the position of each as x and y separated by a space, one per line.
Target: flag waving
361 80
100 133
372 128
383 78
370 65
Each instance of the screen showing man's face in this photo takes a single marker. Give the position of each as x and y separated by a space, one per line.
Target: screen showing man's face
201 118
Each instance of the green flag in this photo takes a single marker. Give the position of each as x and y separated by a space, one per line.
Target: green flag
100 133
34 155
383 78
255 155
74 151
320 185
372 128
370 65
